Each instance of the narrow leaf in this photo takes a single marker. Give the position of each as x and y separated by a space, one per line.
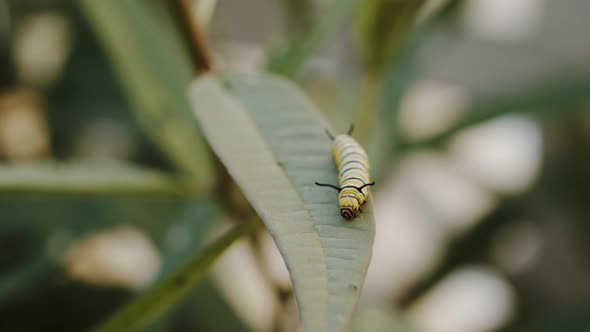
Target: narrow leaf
272 141
151 304
545 97
384 26
290 61
26 276
83 178
154 66
383 129
388 42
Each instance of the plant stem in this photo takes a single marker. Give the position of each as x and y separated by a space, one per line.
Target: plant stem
193 35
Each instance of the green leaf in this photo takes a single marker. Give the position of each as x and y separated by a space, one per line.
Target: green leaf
26 276
554 96
154 67
45 225
95 179
290 61
572 318
384 25
272 140
392 43
298 15
157 300
381 125
203 310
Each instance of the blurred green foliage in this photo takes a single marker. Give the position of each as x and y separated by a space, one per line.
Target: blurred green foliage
155 77
384 27
129 66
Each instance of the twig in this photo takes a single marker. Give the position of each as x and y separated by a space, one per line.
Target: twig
194 36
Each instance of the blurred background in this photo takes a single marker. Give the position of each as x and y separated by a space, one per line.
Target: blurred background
482 160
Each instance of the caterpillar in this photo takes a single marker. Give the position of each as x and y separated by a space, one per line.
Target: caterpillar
353 174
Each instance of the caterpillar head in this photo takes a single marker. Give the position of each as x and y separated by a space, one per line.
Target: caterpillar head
348 207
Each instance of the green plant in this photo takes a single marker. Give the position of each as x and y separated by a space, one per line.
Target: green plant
269 138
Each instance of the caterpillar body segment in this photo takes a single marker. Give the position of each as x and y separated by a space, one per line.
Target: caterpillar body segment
353 175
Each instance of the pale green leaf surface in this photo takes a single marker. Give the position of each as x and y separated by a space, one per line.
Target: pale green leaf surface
272 141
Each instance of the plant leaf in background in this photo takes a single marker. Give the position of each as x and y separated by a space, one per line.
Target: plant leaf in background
299 16
25 276
154 68
551 96
400 72
40 229
147 307
86 179
384 25
72 179
390 41
272 141
289 62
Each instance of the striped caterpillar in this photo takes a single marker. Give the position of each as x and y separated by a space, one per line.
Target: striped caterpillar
353 174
